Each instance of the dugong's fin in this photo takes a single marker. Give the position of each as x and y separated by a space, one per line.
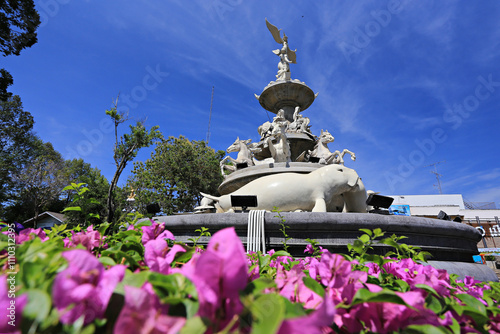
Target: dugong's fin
214 198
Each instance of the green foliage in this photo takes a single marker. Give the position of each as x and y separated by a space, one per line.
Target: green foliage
203 233
93 200
283 228
39 181
176 173
126 149
17 141
84 202
18 23
315 246
264 306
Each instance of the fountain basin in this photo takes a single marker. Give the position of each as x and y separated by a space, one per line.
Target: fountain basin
282 94
451 244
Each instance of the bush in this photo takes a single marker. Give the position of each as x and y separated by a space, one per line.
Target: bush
140 280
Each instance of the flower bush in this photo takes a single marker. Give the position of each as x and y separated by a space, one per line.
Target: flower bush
140 280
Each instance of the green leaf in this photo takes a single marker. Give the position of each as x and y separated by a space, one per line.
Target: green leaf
403 285
194 325
425 329
268 312
433 303
177 291
258 285
132 279
72 208
367 231
280 253
32 274
293 310
389 242
472 303
365 238
427 288
314 286
366 296
107 261
183 257
38 306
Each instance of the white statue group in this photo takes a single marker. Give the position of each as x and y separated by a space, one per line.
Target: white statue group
330 188
274 137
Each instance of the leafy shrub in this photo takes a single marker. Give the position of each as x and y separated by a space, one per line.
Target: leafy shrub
140 280
489 257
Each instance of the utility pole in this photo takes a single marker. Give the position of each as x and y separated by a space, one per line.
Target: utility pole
435 172
210 117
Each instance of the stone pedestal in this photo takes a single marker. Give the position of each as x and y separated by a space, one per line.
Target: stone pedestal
451 244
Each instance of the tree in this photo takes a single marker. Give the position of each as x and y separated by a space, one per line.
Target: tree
18 23
179 169
17 143
126 149
93 200
41 180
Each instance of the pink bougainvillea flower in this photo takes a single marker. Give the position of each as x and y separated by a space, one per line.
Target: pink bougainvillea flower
333 270
414 273
472 288
90 239
386 317
158 256
316 322
11 309
30 234
373 268
84 288
309 249
291 286
155 231
143 314
219 274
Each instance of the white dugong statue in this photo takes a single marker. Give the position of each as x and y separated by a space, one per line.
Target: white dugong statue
325 189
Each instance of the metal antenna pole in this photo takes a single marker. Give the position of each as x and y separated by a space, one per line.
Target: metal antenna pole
210 116
435 172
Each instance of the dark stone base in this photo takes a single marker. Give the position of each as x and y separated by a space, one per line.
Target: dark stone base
451 242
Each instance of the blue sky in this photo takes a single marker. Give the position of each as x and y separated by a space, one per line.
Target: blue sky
402 84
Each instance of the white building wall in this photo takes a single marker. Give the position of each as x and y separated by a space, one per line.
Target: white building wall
48 222
430 200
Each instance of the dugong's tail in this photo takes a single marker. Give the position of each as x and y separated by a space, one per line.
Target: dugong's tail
213 198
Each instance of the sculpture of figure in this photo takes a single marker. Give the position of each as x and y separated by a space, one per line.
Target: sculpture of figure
300 123
265 130
286 55
278 143
268 129
330 188
244 155
131 197
322 151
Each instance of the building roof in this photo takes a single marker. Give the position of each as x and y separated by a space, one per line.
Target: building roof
429 200
59 216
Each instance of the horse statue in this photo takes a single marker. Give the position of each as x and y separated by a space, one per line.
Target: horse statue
244 155
322 151
278 144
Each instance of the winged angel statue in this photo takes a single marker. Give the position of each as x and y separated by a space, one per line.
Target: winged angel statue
286 55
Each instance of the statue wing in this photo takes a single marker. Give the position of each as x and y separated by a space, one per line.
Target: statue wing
291 55
275 32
